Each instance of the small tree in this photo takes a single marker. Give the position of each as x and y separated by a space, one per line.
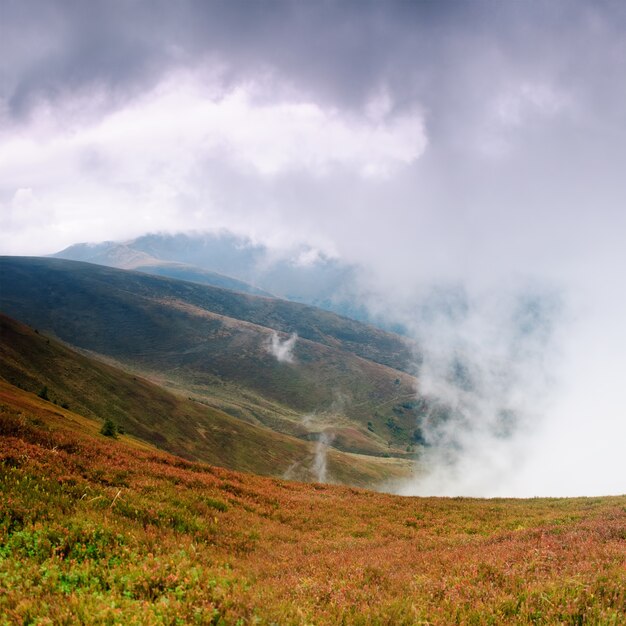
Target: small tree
43 394
109 429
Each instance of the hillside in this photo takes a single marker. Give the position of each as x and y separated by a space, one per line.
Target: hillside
346 379
171 422
104 531
28 273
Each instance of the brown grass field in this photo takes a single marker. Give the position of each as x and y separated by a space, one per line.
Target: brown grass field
111 531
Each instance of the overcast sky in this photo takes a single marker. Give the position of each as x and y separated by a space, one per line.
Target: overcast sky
479 141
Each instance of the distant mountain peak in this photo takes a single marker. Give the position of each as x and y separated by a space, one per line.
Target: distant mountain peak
226 260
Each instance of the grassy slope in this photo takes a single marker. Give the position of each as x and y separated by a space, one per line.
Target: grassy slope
101 531
174 423
44 275
342 371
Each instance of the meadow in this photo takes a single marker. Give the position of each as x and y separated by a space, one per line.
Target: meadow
98 530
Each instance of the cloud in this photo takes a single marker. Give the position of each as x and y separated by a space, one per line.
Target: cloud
153 160
282 350
320 460
486 376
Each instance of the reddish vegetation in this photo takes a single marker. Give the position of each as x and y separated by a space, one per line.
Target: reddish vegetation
110 531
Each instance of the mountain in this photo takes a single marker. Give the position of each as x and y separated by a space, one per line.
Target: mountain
345 382
124 256
97 530
178 424
302 275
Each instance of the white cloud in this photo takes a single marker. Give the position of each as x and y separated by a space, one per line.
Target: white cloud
159 161
282 350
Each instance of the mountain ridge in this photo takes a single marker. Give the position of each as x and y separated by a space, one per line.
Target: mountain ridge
124 256
301 274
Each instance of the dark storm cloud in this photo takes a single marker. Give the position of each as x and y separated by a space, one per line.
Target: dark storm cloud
52 48
443 55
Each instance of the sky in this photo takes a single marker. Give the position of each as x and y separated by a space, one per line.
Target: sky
480 144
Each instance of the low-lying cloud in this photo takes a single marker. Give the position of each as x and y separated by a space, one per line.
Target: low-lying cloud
282 349
486 375
320 461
